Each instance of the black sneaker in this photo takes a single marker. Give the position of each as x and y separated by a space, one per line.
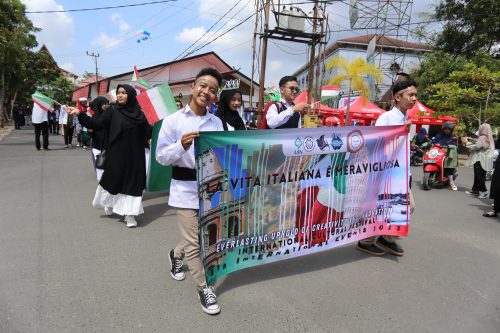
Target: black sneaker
208 300
389 247
176 267
371 249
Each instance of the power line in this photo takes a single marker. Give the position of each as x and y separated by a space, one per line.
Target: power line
206 32
98 8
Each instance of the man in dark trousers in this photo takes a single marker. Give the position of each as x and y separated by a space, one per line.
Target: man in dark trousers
41 122
16 114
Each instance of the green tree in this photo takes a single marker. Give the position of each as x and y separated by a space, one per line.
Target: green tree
355 73
470 25
472 94
22 70
16 39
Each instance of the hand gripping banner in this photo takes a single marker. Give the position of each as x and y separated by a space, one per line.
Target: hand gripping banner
277 194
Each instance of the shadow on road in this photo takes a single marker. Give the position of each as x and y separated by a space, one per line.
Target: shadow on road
301 265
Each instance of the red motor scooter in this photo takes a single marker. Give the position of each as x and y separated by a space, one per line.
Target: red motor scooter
438 163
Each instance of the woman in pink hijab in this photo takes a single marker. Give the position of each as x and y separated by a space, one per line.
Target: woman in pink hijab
481 158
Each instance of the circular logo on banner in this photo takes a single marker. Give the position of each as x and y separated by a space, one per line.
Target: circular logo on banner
308 143
355 141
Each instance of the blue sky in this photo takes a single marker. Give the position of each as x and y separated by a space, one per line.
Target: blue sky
173 27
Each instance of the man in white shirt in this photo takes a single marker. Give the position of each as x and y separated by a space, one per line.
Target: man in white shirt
405 96
41 122
286 114
175 147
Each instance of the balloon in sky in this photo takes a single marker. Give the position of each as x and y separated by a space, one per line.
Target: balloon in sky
142 35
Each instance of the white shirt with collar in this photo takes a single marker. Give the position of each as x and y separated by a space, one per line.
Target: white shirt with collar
275 119
63 117
394 117
38 115
169 151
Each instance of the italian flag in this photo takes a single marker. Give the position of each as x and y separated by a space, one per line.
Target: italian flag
112 95
138 82
135 74
42 101
142 84
157 103
329 92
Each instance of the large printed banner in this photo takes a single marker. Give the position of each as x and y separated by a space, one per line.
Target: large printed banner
276 194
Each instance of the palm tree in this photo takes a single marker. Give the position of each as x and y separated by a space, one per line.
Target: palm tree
356 73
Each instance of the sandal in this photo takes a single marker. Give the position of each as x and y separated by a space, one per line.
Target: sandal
491 213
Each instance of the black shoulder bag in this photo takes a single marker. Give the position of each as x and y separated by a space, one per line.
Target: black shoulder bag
100 159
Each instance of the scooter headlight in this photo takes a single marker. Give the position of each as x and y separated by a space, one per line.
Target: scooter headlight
433 153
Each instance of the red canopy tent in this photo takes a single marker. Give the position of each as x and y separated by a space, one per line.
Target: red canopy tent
317 107
421 114
361 110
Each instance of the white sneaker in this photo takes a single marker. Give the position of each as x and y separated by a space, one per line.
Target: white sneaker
108 210
130 220
483 195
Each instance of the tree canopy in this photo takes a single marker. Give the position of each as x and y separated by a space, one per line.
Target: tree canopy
22 70
469 26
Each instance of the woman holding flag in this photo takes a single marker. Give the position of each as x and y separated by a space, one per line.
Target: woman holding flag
124 178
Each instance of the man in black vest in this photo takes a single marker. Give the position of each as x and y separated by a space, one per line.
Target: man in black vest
286 114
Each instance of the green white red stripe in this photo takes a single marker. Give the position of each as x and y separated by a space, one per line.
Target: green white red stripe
42 101
328 92
112 95
142 84
157 103
135 74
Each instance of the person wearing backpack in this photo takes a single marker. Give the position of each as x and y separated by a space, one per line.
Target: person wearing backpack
285 114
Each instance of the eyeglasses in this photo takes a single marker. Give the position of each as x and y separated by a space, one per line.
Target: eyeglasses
294 89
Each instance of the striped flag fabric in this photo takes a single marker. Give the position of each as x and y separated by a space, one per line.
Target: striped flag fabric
112 95
329 92
138 82
141 84
135 74
157 103
42 101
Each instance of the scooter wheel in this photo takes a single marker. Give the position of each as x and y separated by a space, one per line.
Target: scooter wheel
426 181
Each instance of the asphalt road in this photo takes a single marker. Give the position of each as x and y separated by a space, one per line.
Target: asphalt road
64 267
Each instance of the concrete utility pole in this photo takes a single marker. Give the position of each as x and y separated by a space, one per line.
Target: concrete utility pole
95 56
310 80
263 63
254 52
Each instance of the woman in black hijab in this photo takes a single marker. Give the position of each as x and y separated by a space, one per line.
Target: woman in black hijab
98 106
229 103
124 178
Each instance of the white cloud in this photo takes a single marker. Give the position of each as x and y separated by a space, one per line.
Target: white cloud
190 34
70 67
57 28
106 42
122 24
276 65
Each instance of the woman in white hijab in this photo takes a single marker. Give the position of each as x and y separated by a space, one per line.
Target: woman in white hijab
481 158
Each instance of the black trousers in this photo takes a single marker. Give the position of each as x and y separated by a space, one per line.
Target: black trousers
17 122
42 128
55 127
68 135
479 178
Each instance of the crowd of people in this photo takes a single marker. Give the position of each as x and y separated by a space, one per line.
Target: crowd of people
119 136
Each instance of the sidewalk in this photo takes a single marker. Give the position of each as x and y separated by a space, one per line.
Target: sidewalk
6 130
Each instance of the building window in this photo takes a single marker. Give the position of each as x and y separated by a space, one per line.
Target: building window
233 227
212 234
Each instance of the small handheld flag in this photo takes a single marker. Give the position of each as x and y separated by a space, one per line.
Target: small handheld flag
329 92
157 103
42 101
